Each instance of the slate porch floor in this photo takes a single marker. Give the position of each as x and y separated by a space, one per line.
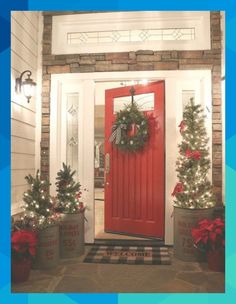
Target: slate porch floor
74 276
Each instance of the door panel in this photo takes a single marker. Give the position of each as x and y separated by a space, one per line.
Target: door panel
134 186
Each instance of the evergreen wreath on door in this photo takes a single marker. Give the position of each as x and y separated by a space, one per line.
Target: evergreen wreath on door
130 129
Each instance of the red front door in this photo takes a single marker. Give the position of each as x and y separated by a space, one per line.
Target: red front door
134 181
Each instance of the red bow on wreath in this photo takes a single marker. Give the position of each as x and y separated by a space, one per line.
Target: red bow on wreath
178 189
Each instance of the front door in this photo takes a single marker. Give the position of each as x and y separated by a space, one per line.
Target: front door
134 181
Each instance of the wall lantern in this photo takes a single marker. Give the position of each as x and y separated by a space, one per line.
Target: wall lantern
26 86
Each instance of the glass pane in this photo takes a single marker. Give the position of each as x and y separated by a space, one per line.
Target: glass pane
186 96
72 131
136 35
144 101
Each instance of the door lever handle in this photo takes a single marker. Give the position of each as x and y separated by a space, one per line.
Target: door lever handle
107 163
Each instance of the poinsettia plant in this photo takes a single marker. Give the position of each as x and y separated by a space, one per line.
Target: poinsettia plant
23 244
209 235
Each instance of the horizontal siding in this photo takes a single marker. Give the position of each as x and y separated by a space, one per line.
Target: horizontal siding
27 26
24 56
22 130
18 47
29 41
22 145
18 177
32 17
23 114
22 162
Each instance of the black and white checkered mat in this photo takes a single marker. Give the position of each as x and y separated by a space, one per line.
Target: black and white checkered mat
142 255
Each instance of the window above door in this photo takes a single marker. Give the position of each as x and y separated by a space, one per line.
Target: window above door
130 31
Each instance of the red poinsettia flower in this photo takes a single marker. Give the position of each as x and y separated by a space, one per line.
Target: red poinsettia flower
178 189
24 242
209 235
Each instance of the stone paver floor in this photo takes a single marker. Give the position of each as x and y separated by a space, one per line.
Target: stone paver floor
74 276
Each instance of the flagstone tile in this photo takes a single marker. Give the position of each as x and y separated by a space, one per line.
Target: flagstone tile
215 282
81 269
177 286
196 278
80 284
72 275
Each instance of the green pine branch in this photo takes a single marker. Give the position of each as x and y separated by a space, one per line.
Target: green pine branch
193 172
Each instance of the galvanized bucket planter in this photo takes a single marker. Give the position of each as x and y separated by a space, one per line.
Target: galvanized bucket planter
72 235
47 255
184 220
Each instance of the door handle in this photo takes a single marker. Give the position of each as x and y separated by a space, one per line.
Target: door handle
107 163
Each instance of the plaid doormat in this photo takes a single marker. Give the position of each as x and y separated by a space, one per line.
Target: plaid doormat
142 255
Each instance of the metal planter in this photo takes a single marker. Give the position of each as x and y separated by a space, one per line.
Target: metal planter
48 248
184 220
72 235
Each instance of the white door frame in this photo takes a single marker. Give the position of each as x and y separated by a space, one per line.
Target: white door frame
175 82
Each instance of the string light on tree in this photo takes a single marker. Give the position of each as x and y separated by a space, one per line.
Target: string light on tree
193 189
37 207
67 189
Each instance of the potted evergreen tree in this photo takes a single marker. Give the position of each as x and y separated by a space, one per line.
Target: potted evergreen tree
39 216
72 209
193 195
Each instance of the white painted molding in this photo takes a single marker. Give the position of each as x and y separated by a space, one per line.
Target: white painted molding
121 21
38 99
175 82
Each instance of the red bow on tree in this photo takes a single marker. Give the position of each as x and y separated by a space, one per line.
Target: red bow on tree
178 189
193 154
78 195
188 153
182 126
196 155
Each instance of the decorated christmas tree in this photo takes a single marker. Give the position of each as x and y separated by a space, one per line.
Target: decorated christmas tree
68 191
193 189
37 202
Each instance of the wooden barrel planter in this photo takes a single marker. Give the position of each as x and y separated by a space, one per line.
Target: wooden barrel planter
184 220
72 235
48 248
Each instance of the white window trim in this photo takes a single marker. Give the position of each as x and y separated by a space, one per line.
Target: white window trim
62 25
173 109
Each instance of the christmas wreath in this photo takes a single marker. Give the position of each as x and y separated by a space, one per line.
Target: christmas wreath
130 119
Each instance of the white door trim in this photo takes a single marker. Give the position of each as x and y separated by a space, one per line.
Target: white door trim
175 81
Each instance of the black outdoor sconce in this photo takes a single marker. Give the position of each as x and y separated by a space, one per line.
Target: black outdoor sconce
26 86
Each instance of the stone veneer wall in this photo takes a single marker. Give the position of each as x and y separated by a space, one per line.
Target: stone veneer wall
137 61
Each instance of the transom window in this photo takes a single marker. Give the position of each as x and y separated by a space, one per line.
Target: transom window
130 31
132 35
